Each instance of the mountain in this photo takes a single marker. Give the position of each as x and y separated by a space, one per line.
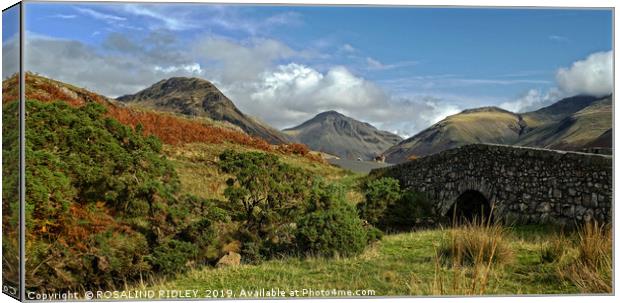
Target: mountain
334 133
577 130
199 97
482 125
569 124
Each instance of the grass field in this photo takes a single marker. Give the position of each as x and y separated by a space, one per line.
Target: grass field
399 265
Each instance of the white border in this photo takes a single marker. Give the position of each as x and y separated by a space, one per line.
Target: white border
471 3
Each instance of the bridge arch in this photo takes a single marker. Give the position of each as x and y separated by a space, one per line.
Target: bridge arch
470 206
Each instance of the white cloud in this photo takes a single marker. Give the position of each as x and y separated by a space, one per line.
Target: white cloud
532 100
108 74
348 48
169 20
99 15
233 61
558 38
259 75
374 64
591 76
289 94
64 16
10 56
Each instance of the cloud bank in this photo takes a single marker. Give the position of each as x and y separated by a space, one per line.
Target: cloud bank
591 76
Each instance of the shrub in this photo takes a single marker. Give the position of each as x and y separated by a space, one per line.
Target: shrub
389 208
379 194
331 226
267 197
202 235
172 256
403 213
101 197
475 244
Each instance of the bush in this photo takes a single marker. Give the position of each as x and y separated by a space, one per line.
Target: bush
404 213
173 256
267 197
379 194
331 227
101 197
390 209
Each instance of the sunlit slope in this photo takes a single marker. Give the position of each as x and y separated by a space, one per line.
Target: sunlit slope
483 125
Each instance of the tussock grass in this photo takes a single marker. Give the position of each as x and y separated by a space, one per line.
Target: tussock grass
591 270
475 244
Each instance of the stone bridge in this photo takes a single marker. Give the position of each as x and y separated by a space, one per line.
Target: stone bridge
524 185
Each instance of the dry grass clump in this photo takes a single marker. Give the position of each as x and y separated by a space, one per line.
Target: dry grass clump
471 251
556 249
591 270
474 244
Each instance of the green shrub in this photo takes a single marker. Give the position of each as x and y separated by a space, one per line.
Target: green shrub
389 208
403 213
267 197
173 256
118 258
331 226
379 194
101 197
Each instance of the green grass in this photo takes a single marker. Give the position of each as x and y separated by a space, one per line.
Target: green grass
400 264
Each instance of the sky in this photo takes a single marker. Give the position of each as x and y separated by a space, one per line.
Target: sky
399 68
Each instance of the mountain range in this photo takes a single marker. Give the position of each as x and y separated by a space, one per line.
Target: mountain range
574 123
334 133
569 124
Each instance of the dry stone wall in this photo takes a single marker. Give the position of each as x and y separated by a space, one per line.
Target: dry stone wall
526 185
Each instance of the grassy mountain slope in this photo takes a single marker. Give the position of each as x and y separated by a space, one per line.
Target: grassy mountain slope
198 97
575 130
569 124
483 125
345 137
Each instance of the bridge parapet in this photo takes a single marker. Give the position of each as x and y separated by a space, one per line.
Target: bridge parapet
530 185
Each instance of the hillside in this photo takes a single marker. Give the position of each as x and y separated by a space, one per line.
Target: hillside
199 97
483 125
569 124
575 131
334 133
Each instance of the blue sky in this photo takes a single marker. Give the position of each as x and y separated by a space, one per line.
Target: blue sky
424 63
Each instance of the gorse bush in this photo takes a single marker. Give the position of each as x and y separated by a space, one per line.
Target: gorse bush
268 197
103 203
173 256
404 213
331 226
379 194
389 208
282 209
